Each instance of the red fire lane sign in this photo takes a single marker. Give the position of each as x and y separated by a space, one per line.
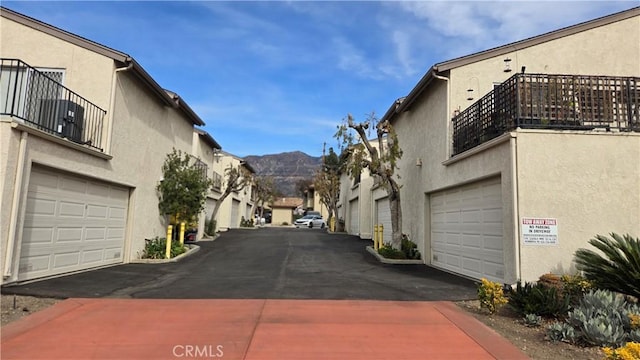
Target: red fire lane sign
539 231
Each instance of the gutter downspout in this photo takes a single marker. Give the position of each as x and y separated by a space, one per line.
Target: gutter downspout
448 152
17 191
112 104
515 204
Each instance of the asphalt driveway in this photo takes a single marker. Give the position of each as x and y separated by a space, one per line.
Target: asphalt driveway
268 263
237 298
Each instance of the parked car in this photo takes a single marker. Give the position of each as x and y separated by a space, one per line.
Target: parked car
310 221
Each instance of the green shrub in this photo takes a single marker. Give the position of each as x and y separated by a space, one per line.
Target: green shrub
539 299
409 248
618 268
532 320
574 287
389 252
246 222
156 248
491 295
601 318
210 227
561 331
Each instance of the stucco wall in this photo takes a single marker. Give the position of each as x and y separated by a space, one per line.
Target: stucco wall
590 183
280 216
425 133
421 132
144 131
86 73
608 50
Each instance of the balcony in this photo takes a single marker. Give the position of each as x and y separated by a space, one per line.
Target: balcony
217 181
43 103
559 102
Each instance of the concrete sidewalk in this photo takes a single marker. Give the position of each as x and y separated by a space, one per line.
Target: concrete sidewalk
252 329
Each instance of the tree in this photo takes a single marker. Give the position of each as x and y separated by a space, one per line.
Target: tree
381 161
264 192
302 186
184 187
327 182
235 179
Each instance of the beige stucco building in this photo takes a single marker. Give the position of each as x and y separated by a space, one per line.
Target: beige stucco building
505 176
311 202
84 132
282 210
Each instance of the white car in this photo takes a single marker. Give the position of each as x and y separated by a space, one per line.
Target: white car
310 221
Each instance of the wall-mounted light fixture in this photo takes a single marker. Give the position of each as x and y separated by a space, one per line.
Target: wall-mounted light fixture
469 94
507 65
419 162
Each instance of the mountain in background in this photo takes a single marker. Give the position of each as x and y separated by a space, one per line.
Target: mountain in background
286 169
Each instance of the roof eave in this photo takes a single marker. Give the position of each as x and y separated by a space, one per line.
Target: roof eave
209 139
536 40
505 49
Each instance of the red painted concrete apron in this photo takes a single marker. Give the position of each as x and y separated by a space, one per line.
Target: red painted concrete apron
252 329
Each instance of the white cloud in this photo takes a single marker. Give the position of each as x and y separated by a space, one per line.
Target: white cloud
478 25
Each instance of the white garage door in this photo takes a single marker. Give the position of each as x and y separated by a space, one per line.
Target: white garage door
235 214
466 230
71 223
383 217
209 206
354 217
248 215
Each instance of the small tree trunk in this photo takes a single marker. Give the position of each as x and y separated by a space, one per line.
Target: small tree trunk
396 215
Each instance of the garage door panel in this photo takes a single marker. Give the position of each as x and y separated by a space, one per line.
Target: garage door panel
71 209
97 211
113 255
383 212
41 235
45 207
69 235
354 221
95 233
66 260
36 265
98 190
92 256
466 230
71 223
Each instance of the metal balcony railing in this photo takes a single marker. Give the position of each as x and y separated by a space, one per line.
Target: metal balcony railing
217 181
43 103
563 102
202 167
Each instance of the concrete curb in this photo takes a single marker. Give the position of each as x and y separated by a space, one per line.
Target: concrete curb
392 261
192 250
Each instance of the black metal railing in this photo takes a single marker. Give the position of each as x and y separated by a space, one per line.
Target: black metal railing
202 167
563 102
43 103
217 181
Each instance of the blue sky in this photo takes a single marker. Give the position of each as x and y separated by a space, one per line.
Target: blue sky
271 77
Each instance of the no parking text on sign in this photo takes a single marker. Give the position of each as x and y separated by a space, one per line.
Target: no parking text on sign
539 231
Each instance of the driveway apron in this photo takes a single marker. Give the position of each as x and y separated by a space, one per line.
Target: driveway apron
262 294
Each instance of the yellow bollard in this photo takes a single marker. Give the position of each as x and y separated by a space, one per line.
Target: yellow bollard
168 249
182 226
375 237
333 224
381 235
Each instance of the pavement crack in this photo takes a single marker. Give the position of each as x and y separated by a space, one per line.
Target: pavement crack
159 282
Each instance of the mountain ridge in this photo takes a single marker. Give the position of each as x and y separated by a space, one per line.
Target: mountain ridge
285 168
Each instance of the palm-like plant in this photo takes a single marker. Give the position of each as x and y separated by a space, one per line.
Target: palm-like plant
617 268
